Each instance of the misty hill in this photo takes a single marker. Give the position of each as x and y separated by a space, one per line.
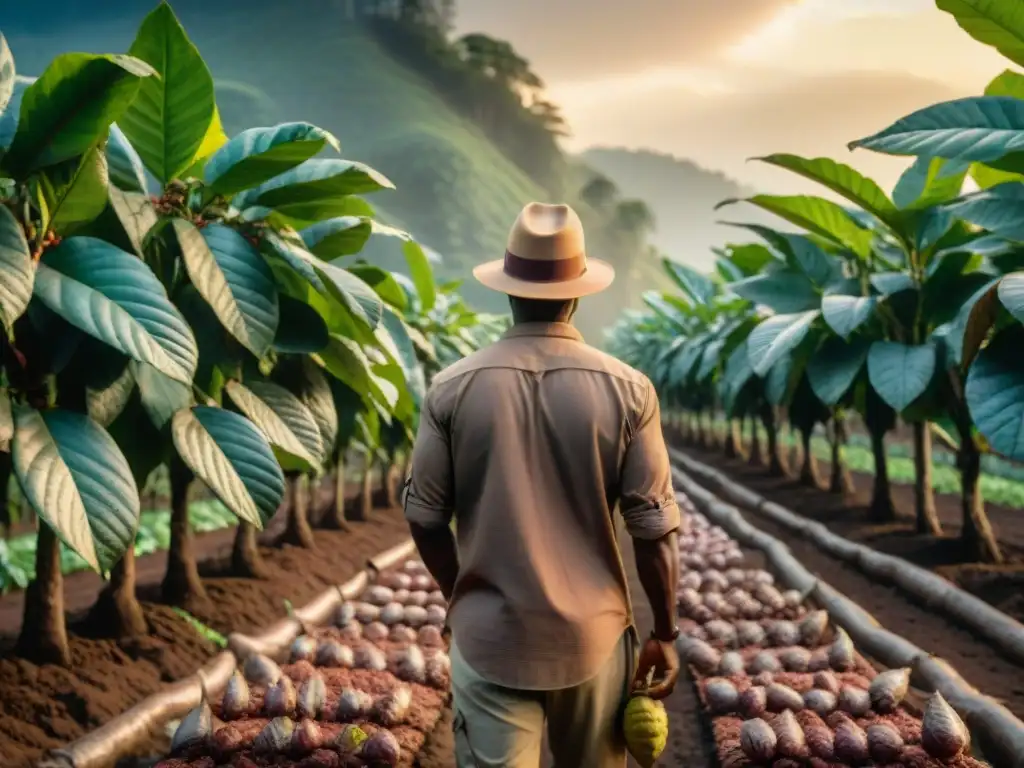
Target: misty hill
456 191
681 194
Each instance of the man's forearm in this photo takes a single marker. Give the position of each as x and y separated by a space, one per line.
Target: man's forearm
657 564
440 554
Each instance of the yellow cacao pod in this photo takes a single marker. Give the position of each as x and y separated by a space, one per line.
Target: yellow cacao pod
646 729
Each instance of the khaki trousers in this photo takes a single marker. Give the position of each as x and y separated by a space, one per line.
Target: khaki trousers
497 727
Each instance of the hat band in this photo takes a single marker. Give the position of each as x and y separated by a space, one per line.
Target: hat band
545 271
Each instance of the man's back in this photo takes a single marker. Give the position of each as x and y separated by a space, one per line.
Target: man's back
535 433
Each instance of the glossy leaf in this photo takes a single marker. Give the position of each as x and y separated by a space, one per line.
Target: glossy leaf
76 479
304 379
75 191
161 396
777 336
382 282
900 373
841 179
999 209
995 394
287 423
232 457
1011 294
126 169
777 382
136 215
973 322
336 237
258 154
992 22
818 215
17 272
400 347
114 297
231 275
70 107
782 291
832 370
845 314
110 383
315 180
929 181
422 274
980 129
169 119
697 287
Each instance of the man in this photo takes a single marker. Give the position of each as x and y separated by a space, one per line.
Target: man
529 444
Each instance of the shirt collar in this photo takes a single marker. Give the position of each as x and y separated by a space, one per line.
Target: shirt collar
549 330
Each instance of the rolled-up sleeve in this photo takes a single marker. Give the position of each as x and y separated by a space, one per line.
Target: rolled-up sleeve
429 493
647 501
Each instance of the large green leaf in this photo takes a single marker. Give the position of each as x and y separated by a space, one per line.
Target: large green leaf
231 275
331 281
305 213
289 426
336 237
845 314
168 121
396 339
126 169
346 361
109 381
136 215
76 479
777 384
258 154
817 215
698 287
785 291
972 323
315 180
929 181
304 379
1011 294
16 269
7 73
422 274
980 129
832 370
382 282
841 179
113 297
71 106
999 209
75 191
997 23
777 336
995 393
750 258
161 396
230 454
900 373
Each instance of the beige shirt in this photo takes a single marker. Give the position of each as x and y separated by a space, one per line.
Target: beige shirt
529 444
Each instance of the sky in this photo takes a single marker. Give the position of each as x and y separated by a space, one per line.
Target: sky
719 81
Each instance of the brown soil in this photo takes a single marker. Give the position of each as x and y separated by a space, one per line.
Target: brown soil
690 741
978 662
45 707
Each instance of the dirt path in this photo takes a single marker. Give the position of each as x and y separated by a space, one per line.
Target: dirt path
972 656
689 744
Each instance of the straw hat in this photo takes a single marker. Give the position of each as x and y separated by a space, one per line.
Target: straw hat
546 258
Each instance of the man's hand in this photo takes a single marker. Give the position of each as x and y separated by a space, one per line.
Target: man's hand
661 655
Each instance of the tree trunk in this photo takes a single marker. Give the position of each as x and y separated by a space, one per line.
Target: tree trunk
756 458
246 560
882 509
977 537
927 517
711 432
117 609
809 468
334 516
840 481
364 502
5 498
733 440
298 530
777 466
389 482
44 635
181 583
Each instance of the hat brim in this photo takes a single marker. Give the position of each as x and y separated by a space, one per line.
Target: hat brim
599 275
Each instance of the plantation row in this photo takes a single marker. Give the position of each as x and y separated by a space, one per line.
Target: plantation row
905 306
177 301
